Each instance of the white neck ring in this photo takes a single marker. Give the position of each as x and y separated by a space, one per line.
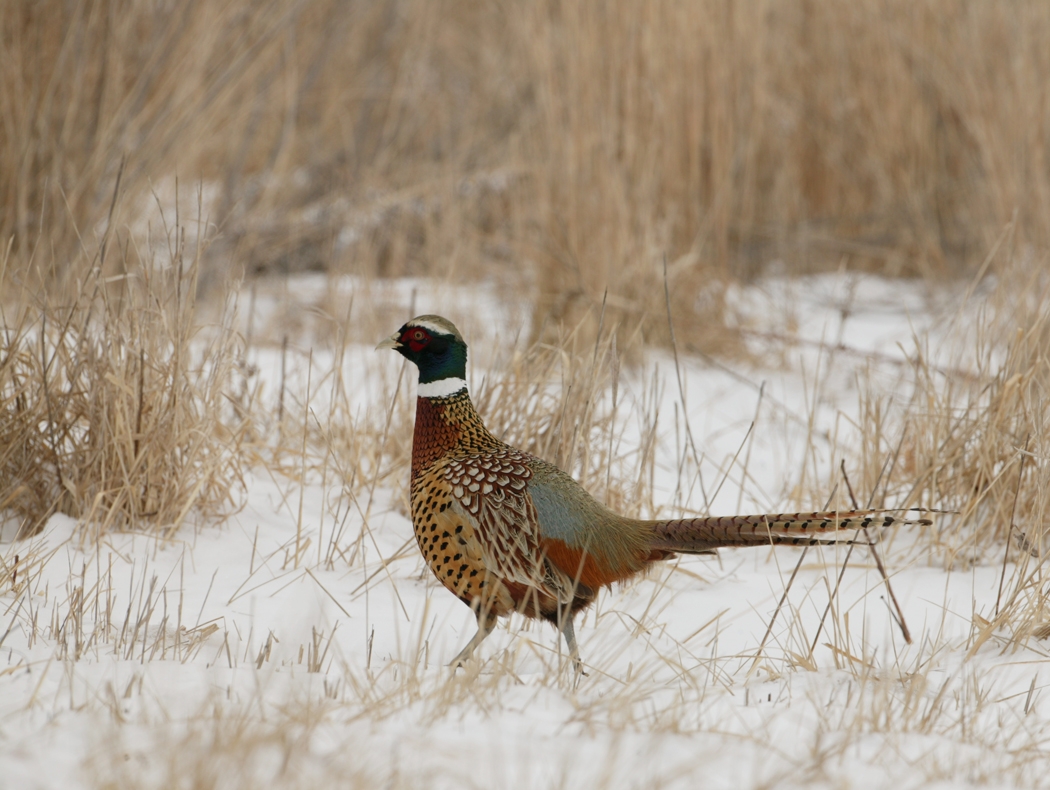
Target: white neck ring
441 388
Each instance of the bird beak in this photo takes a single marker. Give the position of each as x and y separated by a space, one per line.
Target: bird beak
394 342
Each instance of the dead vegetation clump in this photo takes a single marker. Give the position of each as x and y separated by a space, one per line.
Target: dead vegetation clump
972 435
970 440
116 408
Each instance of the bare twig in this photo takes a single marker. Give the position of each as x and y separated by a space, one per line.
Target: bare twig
1013 516
878 562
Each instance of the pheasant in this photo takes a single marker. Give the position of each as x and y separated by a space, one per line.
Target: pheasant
506 532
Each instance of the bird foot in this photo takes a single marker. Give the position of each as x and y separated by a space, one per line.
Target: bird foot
578 674
577 666
460 661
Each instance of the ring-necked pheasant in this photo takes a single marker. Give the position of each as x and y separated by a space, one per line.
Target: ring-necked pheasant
507 532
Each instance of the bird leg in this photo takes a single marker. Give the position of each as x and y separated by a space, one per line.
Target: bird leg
486 625
570 640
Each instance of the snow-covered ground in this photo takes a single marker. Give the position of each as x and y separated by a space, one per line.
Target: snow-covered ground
302 642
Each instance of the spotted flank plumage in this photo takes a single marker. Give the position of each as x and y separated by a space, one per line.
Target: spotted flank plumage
507 532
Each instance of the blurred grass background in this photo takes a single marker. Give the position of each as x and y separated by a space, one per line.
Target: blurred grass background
574 144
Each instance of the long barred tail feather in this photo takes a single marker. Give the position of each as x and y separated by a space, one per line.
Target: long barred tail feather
701 535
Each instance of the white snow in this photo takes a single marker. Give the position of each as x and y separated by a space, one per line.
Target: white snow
303 643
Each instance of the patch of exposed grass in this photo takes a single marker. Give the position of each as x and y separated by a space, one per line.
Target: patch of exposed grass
116 406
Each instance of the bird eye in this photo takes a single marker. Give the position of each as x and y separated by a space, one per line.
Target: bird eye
419 334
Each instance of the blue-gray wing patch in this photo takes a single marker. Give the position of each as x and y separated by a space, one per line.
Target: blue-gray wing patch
564 510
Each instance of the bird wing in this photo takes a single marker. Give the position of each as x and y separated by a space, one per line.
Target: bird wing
491 490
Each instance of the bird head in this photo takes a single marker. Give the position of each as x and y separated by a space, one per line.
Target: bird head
435 346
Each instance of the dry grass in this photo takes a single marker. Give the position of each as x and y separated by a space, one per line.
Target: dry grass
967 435
971 436
115 407
573 144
